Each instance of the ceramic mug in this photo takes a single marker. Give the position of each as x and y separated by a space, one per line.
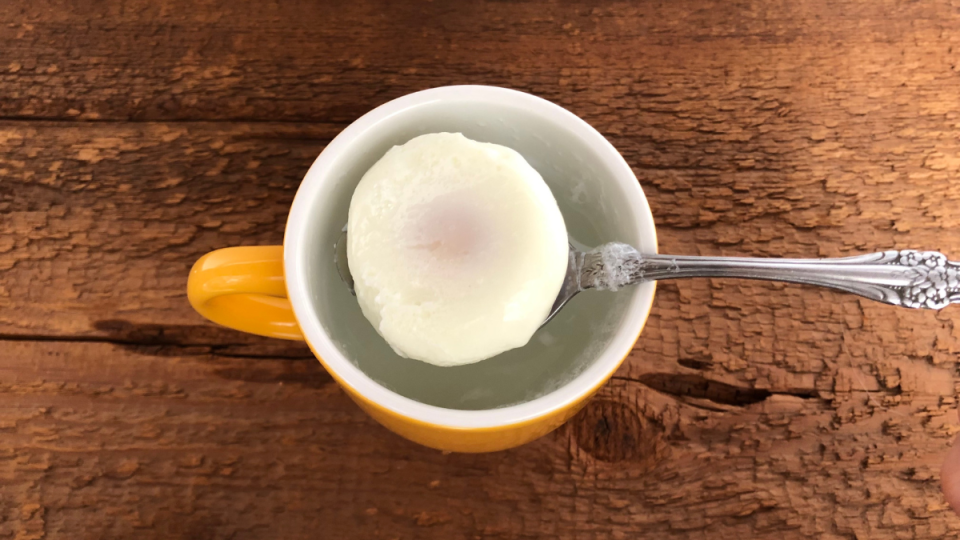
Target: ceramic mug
293 291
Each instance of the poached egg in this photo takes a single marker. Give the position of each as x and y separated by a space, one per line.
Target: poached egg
457 248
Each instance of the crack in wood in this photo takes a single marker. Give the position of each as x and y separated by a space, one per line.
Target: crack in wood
684 385
163 349
40 120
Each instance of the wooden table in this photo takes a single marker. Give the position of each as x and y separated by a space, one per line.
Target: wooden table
137 135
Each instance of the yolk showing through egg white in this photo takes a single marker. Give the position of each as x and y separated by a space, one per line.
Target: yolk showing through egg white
451 230
457 249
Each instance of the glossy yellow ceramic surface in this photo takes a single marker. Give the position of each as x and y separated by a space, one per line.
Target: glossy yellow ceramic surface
490 439
243 288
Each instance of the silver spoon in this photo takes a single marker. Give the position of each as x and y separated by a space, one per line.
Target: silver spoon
914 279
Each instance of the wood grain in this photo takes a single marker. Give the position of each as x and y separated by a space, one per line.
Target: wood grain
136 136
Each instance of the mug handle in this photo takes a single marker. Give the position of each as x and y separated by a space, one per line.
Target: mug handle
243 288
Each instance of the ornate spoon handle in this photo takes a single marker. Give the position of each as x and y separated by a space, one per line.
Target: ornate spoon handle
915 279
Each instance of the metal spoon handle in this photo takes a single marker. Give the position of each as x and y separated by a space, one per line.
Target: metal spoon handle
915 279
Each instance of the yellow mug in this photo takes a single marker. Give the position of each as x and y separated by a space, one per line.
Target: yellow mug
293 291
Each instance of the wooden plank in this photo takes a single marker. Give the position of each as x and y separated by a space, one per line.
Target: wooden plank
249 60
102 440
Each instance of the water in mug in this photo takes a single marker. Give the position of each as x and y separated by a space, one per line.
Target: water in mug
556 353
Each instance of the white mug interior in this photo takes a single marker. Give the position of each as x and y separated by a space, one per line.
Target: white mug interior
599 197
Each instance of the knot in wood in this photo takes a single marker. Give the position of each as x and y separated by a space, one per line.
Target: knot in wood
612 431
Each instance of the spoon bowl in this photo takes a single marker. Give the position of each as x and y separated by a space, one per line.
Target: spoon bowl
571 280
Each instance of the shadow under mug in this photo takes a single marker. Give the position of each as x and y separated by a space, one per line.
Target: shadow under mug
291 291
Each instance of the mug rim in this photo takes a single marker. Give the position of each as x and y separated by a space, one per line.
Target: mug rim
352 377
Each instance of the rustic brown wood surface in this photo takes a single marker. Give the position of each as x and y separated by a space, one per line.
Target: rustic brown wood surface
137 135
